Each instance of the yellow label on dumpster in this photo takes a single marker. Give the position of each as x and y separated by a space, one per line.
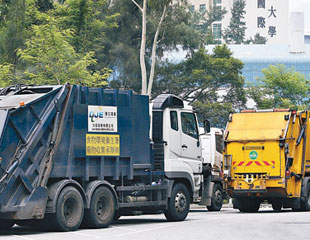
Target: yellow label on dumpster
102 145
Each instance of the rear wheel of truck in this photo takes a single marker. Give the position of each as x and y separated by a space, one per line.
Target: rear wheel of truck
305 199
178 203
217 198
248 205
69 210
6 224
276 205
102 209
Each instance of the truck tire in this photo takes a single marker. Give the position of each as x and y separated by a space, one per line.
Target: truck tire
102 209
277 205
69 210
217 198
248 205
6 224
178 203
305 199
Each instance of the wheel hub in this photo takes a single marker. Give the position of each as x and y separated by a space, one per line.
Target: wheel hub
69 207
180 202
101 208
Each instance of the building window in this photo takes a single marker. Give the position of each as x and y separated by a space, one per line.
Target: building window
217 30
215 2
192 8
202 7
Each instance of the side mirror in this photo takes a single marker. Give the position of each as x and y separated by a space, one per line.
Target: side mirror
206 126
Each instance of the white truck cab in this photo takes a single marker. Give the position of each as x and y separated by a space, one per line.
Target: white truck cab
177 147
212 155
177 141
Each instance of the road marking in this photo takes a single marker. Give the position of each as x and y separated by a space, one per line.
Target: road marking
123 228
145 230
85 235
22 237
214 218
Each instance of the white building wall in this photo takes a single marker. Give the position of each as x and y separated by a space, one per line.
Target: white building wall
278 20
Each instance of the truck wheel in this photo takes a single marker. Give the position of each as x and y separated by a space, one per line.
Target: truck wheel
276 205
178 203
248 205
305 199
217 198
69 210
102 209
6 224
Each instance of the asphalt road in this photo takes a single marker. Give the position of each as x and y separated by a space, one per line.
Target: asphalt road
200 224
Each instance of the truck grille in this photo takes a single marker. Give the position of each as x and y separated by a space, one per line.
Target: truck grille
250 175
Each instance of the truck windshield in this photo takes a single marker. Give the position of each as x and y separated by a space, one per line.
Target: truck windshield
219 143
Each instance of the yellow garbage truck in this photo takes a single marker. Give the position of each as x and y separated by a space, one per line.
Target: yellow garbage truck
267 158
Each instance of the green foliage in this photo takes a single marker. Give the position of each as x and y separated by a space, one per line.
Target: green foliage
204 21
211 82
6 74
52 43
52 60
121 52
258 39
235 32
281 88
88 21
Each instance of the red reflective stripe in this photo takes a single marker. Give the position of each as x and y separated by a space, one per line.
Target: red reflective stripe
234 162
274 163
249 163
266 163
240 164
258 163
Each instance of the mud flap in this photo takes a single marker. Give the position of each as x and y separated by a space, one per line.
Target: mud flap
35 207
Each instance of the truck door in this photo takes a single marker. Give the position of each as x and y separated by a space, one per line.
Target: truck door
190 145
174 136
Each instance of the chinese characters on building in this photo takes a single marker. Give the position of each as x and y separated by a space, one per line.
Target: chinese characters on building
261 20
102 145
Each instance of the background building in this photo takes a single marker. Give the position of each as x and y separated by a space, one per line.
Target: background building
269 18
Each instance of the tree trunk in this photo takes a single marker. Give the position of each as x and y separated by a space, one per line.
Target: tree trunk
154 47
142 50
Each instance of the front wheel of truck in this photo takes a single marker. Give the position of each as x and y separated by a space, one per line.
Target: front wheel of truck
178 203
217 198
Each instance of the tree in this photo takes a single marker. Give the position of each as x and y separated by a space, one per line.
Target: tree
281 88
210 82
88 21
258 39
235 32
6 74
53 43
203 23
52 59
121 52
